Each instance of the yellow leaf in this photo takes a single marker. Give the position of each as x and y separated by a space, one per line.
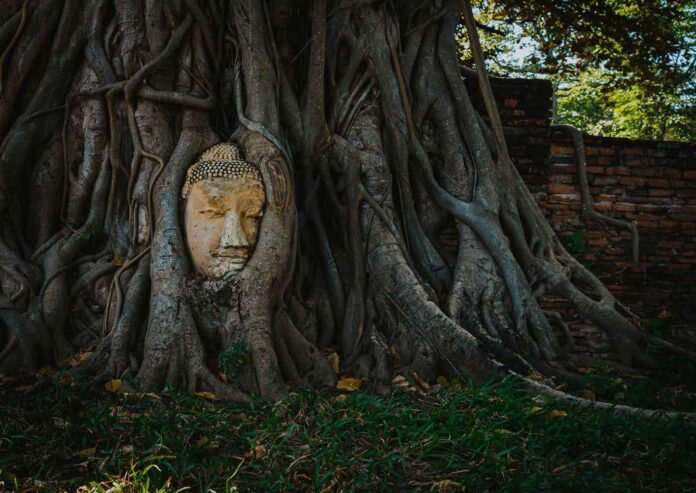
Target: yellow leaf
207 395
556 413
537 377
201 441
424 385
79 358
441 381
504 431
259 452
86 453
349 384
340 398
536 409
447 486
60 423
664 314
334 361
118 261
113 385
46 371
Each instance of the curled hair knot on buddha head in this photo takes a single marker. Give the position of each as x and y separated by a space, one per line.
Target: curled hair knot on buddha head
219 161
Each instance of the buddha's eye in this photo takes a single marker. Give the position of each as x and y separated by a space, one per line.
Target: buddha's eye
254 213
211 213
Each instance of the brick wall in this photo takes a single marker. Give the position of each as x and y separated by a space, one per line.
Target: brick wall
649 182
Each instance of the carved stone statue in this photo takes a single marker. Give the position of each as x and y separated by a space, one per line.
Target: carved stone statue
224 203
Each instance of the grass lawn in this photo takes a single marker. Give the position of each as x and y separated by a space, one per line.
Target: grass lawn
56 436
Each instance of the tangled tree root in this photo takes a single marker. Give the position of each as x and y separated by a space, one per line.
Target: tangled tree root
368 145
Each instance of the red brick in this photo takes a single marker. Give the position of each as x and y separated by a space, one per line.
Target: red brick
562 151
605 180
660 192
556 188
618 170
633 180
562 179
658 183
598 170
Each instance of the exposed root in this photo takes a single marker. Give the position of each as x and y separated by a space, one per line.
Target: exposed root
368 144
543 390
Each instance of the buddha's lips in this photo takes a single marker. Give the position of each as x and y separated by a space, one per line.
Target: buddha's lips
234 256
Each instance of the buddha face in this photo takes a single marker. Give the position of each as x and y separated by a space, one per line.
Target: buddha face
221 221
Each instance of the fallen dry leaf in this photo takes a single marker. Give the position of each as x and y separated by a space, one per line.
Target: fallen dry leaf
557 413
424 385
447 486
348 384
46 371
86 453
79 358
207 395
113 385
537 377
259 452
536 409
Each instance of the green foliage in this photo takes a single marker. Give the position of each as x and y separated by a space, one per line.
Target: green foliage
233 357
493 438
575 243
623 68
654 326
595 103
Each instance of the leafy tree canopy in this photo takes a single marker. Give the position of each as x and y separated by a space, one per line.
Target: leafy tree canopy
623 68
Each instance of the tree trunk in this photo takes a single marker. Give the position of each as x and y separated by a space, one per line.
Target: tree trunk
364 134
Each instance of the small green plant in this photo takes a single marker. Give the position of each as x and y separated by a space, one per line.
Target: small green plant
233 357
654 326
575 243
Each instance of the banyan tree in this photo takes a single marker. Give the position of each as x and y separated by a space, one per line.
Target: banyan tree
233 196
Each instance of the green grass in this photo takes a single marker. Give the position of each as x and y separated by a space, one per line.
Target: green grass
482 439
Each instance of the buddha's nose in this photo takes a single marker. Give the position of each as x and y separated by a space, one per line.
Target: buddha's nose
232 233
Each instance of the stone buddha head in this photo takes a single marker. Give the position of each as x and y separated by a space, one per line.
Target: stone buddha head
224 197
